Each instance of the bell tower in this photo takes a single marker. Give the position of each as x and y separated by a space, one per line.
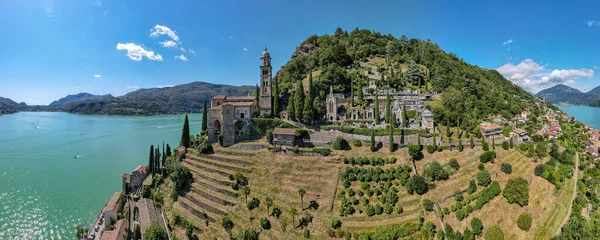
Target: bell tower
265 80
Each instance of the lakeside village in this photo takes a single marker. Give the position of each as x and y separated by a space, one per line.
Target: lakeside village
382 116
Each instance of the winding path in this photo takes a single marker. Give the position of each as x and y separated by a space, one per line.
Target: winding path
575 178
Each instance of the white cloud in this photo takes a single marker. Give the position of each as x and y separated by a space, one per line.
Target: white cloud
592 23
181 57
534 77
231 37
507 42
136 52
192 51
132 87
182 49
97 75
245 49
188 50
163 30
168 44
165 86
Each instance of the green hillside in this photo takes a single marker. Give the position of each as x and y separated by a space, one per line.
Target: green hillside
467 91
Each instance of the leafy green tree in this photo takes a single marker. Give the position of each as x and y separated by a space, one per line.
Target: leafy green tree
293 212
268 203
226 223
413 74
81 231
484 178
477 226
524 221
298 100
204 120
517 191
185 133
505 145
377 119
414 151
311 93
417 184
246 192
301 192
359 89
494 233
155 232
472 187
137 233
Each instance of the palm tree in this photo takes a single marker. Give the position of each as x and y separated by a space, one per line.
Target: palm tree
246 191
269 203
293 212
302 193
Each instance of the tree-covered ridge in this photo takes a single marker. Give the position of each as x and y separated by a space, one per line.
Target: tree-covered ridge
8 106
185 98
63 102
469 93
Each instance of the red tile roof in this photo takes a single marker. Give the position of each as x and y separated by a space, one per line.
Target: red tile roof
142 169
284 131
491 126
119 232
113 203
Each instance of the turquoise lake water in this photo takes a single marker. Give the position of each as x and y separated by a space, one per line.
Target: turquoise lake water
584 114
45 191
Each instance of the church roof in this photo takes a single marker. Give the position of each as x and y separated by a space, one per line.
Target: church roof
266 54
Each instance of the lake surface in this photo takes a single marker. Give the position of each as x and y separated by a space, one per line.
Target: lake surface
45 191
584 114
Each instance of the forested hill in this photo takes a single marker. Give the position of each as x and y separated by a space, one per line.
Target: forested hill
185 98
8 106
63 102
468 91
568 95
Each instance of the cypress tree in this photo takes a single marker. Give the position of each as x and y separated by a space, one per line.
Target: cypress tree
257 96
459 131
164 156
151 159
388 108
185 133
275 98
391 140
418 138
372 141
472 142
511 143
405 117
377 120
307 112
157 159
382 77
352 93
493 143
434 143
204 120
448 128
168 150
359 89
299 101
311 93
460 145
315 113
290 107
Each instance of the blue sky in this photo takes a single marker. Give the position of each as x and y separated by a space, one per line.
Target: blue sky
51 48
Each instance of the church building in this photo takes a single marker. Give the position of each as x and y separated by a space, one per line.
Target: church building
228 115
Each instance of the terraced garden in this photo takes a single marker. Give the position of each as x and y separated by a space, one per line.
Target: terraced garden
278 177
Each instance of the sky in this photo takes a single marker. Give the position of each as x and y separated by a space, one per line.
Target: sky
52 48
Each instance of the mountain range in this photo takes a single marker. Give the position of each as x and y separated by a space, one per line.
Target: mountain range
565 95
185 98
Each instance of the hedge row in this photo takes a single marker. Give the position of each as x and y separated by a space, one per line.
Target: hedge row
378 131
374 161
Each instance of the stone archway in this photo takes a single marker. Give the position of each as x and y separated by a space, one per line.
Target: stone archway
217 128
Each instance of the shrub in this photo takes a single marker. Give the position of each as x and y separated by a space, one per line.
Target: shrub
453 208
446 211
220 139
539 170
357 143
417 184
430 149
276 212
517 191
265 223
480 166
461 214
487 195
494 233
370 210
398 209
454 164
484 178
306 233
204 146
340 143
427 204
472 187
524 221
270 136
336 223
505 145
322 151
254 203
487 156
436 172
378 209
506 168
477 226
458 196
485 146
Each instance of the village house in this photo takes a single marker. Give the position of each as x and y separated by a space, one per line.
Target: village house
284 137
491 130
148 213
119 232
133 182
519 135
111 209
593 150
